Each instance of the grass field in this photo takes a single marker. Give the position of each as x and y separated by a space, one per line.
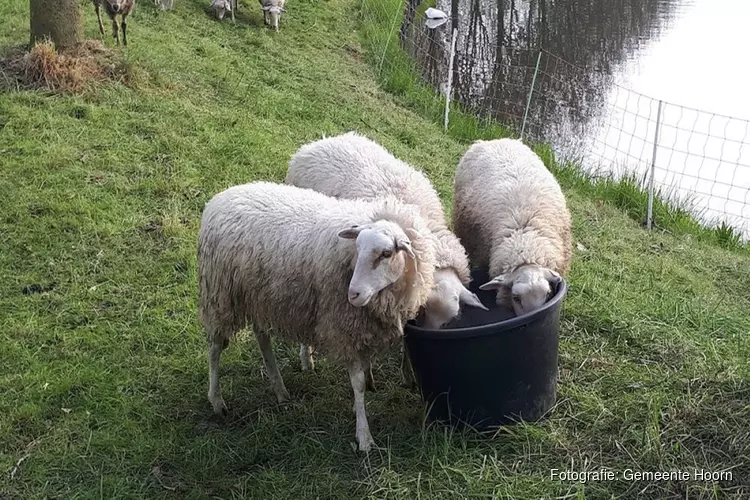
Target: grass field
103 372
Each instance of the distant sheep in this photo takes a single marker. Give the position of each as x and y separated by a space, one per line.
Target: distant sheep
353 166
272 10
284 259
114 7
221 7
512 217
164 4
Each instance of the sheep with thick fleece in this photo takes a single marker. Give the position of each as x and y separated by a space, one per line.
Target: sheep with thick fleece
352 166
284 259
512 217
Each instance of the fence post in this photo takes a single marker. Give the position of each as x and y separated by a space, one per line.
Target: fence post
531 91
448 89
650 216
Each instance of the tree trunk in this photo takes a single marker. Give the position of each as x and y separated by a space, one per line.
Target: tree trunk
59 20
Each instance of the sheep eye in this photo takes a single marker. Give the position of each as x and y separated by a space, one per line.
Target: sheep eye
516 298
387 254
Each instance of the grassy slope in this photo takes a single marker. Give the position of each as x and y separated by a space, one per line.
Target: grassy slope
103 378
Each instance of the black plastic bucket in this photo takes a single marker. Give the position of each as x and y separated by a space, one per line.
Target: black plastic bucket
488 368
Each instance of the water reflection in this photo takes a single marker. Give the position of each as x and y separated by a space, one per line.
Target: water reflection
496 51
586 111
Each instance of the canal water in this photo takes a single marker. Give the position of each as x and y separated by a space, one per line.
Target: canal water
605 67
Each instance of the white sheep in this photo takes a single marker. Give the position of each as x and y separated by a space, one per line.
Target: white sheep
284 259
272 10
164 4
352 166
512 217
221 7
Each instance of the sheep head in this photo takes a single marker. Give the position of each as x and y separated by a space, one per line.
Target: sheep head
382 250
221 7
115 6
445 299
526 288
274 14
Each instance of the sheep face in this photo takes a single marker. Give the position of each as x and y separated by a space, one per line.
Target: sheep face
445 299
221 7
273 15
526 288
115 6
382 250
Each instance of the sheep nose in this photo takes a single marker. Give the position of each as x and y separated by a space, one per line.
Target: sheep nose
353 295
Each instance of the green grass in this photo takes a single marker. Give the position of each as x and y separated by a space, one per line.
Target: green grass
103 379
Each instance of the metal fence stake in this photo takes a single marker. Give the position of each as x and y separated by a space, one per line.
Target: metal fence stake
531 91
650 216
448 89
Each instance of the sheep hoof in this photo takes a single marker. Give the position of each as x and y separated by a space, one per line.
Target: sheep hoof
365 441
220 408
283 396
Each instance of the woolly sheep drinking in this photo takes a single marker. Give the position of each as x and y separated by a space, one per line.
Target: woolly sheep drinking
352 166
285 259
512 217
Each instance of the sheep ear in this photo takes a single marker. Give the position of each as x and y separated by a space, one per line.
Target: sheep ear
470 299
494 284
552 277
405 245
350 233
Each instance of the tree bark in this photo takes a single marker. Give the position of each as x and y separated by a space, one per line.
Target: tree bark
58 20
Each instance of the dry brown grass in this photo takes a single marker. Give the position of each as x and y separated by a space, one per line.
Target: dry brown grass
72 71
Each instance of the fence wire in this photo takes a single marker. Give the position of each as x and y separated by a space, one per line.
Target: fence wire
701 160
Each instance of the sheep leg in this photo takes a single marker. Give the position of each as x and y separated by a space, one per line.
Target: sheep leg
277 383
305 357
369 380
124 30
98 8
358 380
115 30
407 372
214 392
234 8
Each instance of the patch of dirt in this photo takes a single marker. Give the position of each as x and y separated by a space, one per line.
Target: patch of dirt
35 288
73 71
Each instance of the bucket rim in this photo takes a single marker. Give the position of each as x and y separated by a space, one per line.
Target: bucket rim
500 327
